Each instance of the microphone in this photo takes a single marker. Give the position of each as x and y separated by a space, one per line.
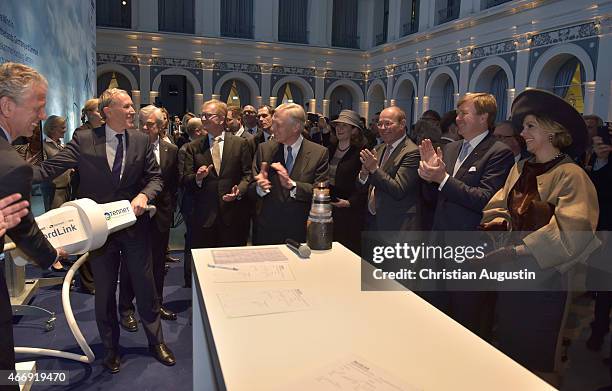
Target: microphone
302 250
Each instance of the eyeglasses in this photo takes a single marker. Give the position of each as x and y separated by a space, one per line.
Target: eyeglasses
209 115
385 124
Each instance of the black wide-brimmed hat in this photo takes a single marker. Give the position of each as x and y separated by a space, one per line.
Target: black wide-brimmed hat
348 117
548 105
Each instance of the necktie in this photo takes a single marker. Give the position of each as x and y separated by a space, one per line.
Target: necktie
465 151
372 194
216 154
116 171
289 161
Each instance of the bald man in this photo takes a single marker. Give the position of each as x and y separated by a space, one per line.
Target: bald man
390 172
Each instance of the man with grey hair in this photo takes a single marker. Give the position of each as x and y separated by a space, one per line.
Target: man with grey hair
285 170
118 163
23 96
56 192
216 174
166 155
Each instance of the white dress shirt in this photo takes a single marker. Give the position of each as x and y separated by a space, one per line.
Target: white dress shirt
111 147
295 149
473 144
155 146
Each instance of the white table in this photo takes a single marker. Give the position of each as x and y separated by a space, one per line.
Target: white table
394 330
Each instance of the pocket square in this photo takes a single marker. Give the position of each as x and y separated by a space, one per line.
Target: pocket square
472 169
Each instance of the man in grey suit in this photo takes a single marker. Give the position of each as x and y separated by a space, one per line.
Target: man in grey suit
285 170
117 163
390 171
23 96
235 125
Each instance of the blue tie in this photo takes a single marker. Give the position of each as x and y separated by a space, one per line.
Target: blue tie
465 151
116 172
289 162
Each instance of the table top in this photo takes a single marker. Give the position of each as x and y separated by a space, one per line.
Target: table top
393 330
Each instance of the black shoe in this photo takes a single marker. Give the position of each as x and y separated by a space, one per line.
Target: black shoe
129 323
162 354
112 361
171 259
166 314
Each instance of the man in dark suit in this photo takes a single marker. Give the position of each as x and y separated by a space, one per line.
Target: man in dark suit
390 171
285 170
23 96
235 125
217 174
249 119
118 163
264 120
166 155
465 174
194 130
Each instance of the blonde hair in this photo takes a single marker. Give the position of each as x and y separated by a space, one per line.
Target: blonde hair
106 99
484 104
219 106
16 79
52 122
561 138
295 111
90 105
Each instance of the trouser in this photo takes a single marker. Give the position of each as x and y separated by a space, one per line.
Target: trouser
131 246
7 345
159 243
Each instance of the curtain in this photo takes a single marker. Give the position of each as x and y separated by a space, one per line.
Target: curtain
564 77
448 97
176 16
293 21
344 28
237 18
499 87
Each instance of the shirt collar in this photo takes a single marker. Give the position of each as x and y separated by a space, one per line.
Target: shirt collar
296 145
211 138
478 139
111 133
397 142
240 131
8 136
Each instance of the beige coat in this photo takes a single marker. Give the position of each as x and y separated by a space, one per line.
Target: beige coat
569 237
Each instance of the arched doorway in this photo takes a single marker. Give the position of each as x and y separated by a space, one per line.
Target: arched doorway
404 99
442 93
235 93
340 99
113 79
376 99
290 93
176 95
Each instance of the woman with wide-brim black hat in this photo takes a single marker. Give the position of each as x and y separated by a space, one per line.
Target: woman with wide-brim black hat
551 205
348 199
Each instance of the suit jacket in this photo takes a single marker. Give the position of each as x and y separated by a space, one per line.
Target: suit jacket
251 140
16 177
166 199
602 179
346 186
397 188
51 149
259 136
235 170
87 152
278 215
461 201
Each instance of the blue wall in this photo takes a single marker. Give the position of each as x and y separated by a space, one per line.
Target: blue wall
57 38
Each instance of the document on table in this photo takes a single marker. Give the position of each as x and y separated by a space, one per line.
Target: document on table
253 255
249 302
255 272
351 374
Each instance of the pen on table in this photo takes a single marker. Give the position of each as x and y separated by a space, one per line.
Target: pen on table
222 267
